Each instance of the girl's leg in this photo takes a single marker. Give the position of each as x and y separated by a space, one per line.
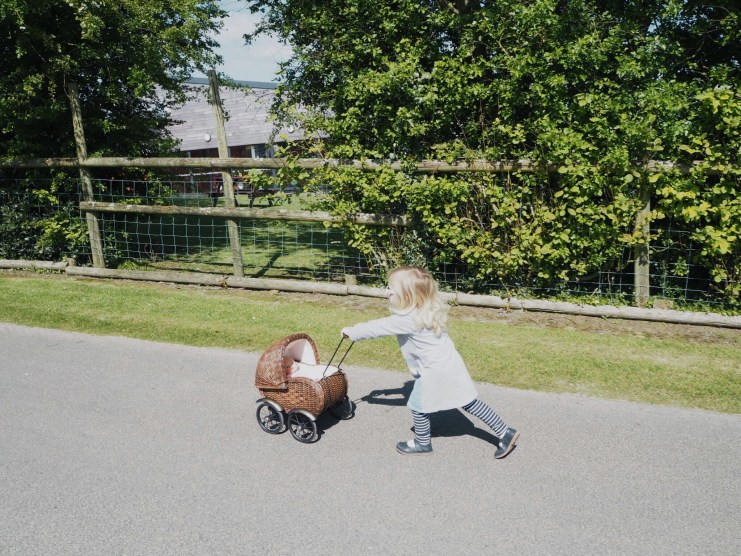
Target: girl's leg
507 437
487 415
422 443
422 429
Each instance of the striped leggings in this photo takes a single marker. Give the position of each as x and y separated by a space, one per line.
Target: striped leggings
477 408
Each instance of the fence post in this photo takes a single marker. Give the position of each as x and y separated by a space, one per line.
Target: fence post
641 270
93 224
234 239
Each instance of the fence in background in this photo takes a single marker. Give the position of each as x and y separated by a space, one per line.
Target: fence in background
275 247
171 225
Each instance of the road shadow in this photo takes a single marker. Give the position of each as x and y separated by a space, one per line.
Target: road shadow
389 396
327 420
452 422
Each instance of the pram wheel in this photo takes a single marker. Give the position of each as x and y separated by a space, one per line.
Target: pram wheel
343 409
270 419
302 427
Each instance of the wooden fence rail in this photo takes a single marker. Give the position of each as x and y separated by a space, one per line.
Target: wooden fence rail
471 300
423 167
243 213
641 264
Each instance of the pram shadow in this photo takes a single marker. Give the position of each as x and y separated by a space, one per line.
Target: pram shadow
326 421
446 423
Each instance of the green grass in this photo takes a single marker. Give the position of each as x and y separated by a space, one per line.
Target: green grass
674 371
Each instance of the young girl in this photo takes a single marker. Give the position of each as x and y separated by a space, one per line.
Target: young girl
419 321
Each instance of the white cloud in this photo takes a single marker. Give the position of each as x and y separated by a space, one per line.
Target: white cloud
256 62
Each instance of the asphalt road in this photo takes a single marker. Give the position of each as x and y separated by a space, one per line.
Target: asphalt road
116 446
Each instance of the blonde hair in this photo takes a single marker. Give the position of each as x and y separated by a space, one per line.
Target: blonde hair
415 289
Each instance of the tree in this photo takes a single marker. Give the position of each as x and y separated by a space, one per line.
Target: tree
129 59
405 76
596 87
118 51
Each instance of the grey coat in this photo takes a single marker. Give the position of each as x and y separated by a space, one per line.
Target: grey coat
442 379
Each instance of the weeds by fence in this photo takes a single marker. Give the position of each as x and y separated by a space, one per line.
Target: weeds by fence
674 280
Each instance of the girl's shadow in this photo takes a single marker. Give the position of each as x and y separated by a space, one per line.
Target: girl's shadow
451 422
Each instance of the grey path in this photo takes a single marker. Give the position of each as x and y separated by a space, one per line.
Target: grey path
116 446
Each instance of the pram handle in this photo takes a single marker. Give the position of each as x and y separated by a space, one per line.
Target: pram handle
335 353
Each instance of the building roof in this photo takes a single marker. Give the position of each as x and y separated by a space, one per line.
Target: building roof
247 111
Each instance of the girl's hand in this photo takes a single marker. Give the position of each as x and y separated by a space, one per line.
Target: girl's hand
344 333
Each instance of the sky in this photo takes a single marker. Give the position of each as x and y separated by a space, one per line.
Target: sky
256 62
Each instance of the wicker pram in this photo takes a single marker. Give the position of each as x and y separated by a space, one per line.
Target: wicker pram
296 402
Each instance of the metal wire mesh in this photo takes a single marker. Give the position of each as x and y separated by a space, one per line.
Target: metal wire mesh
29 214
675 279
270 248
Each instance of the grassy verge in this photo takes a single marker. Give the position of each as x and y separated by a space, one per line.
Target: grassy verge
700 373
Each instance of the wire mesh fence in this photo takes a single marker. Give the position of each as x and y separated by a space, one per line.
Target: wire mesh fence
270 248
675 279
42 220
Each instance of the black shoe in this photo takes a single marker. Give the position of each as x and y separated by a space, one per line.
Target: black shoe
507 443
413 447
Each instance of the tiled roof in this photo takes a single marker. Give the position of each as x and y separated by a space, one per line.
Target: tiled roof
246 109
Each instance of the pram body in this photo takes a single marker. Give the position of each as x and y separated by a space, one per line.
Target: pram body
296 402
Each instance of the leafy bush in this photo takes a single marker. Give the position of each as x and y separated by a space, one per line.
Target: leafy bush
595 89
39 219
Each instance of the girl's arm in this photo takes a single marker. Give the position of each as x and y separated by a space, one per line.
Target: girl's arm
388 326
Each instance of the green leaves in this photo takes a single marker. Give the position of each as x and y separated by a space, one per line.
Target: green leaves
118 52
125 56
595 88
